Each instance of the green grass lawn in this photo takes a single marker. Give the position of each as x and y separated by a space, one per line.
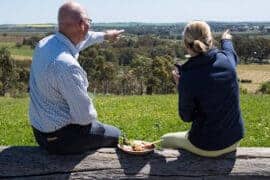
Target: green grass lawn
140 117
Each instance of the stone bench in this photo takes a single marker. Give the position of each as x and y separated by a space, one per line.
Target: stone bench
34 163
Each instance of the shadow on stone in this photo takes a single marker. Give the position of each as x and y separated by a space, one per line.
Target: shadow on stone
184 164
27 161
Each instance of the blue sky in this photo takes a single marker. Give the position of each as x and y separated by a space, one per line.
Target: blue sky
45 11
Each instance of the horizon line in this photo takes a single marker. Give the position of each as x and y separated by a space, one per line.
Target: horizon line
144 22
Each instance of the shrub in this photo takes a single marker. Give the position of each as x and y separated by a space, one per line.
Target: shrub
18 45
265 88
246 81
6 70
13 79
32 41
243 90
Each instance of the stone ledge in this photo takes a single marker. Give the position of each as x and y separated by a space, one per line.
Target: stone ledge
33 163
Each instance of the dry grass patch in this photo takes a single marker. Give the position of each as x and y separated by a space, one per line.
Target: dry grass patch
258 74
21 58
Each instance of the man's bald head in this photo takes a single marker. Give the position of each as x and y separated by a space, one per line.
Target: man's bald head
71 12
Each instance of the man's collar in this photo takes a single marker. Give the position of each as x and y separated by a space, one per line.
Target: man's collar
62 38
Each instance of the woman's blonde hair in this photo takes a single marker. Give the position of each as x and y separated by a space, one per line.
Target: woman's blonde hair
198 36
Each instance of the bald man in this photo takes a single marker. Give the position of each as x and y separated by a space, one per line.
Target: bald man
63 117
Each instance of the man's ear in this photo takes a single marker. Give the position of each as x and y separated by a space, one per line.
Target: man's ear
79 25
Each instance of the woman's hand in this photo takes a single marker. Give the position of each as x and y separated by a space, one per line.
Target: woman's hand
176 76
226 35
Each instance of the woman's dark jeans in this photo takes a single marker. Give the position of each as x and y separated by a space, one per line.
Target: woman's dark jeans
74 139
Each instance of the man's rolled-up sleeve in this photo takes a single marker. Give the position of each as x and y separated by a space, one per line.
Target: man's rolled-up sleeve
91 39
73 84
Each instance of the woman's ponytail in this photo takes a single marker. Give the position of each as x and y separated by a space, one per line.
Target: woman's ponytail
198 37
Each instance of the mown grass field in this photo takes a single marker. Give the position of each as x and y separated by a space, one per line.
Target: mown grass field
139 117
18 53
258 74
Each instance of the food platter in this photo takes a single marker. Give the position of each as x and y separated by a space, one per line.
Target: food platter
137 147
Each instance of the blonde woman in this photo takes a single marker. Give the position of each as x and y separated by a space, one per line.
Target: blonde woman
208 95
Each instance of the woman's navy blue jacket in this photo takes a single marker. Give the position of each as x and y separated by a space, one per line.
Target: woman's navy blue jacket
209 98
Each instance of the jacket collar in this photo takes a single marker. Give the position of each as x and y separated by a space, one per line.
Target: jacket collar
200 60
63 39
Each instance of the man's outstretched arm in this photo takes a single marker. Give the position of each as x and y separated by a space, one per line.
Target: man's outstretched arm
98 37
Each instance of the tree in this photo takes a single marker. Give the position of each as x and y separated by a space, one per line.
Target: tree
179 50
159 78
252 49
164 50
261 49
126 56
109 55
109 72
126 81
162 77
141 67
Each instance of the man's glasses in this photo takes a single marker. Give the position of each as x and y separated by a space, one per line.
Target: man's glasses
88 20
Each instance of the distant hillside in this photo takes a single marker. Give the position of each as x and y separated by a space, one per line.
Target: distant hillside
27 28
138 28
27 25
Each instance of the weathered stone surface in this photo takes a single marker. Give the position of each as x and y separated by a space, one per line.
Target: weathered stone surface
34 163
